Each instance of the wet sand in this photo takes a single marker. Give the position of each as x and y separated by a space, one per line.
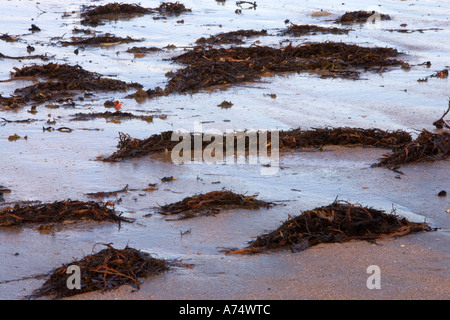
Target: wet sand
51 166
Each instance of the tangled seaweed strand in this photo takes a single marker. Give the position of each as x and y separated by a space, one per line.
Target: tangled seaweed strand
212 202
206 67
129 147
58 212
339 222
426 147
103 271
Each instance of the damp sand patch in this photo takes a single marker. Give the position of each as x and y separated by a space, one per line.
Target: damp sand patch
338 222
106 270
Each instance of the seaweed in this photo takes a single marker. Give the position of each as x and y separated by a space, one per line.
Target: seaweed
340 222
208 67
58 212
232 37
427 146
361 16
297 30
103 271
101 40
111 116
212 203
59 81
294 139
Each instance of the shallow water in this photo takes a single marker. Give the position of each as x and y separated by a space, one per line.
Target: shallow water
51 166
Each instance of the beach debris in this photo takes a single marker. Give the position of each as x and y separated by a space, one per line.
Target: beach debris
34 28
441 193
58 212
441 123
97 15
168 179
212 203
225 104
106 194
427 146
116 116
101 40
208 67
6 37
103 271
340 221
294 139
29 57
361 16
232 37
297 30
59 83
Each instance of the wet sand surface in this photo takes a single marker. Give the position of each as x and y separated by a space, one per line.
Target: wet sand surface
52 165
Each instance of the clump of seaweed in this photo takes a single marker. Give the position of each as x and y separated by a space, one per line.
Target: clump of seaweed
58 83
111 116
58 212
129 147
95 15
361 16
207 67
106 270
297 30
427 146
340 221
232 37
98 40
211 203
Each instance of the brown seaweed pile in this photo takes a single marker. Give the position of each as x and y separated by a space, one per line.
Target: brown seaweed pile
103 271
211 203
297 30
207 67
58 212
110 116
361 16
98 40
129 147
338 222
232 37
58 83
427 146
96 15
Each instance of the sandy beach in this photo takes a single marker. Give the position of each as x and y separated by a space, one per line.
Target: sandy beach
56 158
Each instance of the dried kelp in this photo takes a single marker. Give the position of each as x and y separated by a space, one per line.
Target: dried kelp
129 147
100 40
441 123
29 57
207 67
58 212
361 16
110 116
338 222
297 30
58 83
211 203
108 269
96 15
232 37
427 146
